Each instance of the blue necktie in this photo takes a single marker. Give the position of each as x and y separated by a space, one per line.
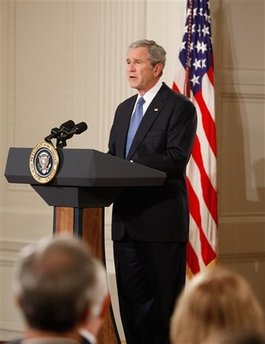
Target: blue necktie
134 124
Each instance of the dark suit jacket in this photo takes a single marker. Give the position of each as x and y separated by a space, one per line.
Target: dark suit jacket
163 141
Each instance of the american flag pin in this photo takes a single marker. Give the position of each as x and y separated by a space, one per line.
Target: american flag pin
155 109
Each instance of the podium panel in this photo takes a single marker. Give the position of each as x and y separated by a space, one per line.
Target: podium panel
92 234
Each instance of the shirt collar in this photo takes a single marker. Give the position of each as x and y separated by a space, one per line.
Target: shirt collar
149 95
88 335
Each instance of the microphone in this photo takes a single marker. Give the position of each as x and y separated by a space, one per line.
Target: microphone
76 129
57 132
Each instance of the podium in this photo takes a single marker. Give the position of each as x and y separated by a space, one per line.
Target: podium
87 181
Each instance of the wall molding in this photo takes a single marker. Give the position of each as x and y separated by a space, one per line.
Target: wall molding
240 217
243 258
237 92
69 60
11 72
10 331
10 248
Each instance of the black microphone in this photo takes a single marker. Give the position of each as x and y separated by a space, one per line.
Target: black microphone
76 129
57 132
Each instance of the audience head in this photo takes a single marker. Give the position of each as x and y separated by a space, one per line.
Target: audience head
59 284
215 300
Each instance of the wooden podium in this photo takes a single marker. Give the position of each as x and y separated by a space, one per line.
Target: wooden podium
86 183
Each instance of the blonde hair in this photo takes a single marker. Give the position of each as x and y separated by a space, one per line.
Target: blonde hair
215 300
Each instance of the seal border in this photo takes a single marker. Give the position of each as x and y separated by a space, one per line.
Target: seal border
55 162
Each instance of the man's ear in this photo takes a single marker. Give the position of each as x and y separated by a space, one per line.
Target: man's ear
158 69
89 316
85 315
18 302
105 306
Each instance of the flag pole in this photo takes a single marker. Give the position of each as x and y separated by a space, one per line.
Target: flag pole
188 57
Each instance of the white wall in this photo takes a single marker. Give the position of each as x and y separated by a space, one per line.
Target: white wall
65 60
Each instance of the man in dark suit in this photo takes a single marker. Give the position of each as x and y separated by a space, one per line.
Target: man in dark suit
62 292
150 225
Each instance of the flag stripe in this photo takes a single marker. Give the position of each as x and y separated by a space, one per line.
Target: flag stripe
208 94
197 249
207 121
192 257
209 193
208 253
209 159
207 221
211 74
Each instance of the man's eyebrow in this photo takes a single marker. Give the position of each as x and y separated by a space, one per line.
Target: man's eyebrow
135 60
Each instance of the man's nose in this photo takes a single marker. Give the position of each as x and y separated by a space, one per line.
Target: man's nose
131 67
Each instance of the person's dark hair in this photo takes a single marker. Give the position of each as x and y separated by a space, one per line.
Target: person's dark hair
157 54
55 282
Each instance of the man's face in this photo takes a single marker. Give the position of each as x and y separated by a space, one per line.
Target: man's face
141 74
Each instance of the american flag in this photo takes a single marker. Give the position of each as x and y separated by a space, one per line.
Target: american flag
195 78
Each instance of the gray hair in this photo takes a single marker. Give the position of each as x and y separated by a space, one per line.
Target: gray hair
99 292
157 54
56 280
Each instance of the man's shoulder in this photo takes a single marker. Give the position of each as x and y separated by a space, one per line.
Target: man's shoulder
128 101
166 90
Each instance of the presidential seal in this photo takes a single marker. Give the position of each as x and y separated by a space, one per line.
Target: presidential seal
43 162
